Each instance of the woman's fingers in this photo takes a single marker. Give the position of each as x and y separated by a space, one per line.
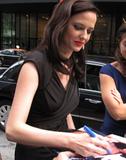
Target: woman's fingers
116 95
94 149
91 146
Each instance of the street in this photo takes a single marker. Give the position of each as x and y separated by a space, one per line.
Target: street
6 147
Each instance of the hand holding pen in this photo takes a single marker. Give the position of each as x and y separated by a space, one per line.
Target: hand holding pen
83 144
91 133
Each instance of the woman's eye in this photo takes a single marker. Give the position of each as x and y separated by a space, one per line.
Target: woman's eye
81 28
78 27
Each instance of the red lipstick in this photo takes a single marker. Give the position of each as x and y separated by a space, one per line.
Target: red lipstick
79 43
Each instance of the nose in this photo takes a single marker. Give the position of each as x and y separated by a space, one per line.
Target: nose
84 35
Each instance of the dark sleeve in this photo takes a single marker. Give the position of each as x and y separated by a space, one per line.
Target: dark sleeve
42 65
107 69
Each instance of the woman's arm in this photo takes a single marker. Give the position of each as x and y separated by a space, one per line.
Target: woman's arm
70 122
16 128
111 98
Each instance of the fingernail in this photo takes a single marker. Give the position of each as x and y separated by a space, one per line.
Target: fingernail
109 151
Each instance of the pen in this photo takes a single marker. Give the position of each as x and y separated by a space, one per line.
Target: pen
93 134
89 131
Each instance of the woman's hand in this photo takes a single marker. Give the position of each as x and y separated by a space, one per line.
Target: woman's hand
85 145
116 95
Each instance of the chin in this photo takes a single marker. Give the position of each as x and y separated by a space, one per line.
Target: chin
77 49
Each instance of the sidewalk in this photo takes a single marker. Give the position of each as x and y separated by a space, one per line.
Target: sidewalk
0 157
6 148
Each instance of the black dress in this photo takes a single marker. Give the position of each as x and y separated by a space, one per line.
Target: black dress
51 104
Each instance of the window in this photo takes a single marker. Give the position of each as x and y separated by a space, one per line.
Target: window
103 39
24 30
12 74
92 79
8 30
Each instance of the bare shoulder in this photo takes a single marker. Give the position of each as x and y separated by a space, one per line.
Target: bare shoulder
29 67
28 72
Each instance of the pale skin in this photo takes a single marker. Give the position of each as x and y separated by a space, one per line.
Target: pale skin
110 94
17 130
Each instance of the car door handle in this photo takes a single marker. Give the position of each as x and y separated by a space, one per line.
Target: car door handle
92 101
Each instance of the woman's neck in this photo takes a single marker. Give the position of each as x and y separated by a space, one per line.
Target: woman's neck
65 53
120 67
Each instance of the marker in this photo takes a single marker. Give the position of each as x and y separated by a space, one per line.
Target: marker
93 134
89 131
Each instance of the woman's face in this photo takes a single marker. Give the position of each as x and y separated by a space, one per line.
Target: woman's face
123 45
78 32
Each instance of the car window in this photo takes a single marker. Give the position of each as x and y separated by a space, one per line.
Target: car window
91 79
6 52
12 73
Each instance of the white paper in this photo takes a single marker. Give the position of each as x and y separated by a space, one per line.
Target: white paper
113 157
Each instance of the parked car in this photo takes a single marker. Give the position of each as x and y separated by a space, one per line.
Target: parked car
10 56
8 81
2 69
91 108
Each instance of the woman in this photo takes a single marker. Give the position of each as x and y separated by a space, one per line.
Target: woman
47 90
113 88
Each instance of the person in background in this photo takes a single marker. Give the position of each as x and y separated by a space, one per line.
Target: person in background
47 88
113 88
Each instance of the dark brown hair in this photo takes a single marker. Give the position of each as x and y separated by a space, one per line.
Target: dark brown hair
121 31
55 28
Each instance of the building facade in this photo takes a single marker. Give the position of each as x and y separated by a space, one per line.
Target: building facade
22 23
